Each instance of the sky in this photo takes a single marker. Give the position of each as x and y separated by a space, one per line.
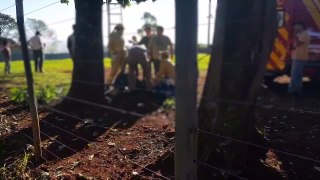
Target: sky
60 17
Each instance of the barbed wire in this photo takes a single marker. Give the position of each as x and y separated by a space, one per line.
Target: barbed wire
43 149
264 106
132 162
219 169
90 142
244 142
57 127
53 154
74 151
225 137
258 146
72 116
105 107
244 103
147 169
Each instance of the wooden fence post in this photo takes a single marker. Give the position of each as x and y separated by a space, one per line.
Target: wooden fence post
186 89
31 95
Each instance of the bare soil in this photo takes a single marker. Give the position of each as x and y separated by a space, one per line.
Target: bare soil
97 143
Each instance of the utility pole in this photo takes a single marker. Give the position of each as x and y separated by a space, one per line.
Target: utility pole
32 98
209 26
186 90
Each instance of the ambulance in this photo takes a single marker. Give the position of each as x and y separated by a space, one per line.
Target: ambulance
290 11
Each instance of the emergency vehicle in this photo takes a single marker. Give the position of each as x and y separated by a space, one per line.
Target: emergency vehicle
290 11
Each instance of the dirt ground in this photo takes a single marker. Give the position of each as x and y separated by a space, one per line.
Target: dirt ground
97 143
100 144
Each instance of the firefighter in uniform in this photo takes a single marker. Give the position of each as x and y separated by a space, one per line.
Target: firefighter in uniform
117 52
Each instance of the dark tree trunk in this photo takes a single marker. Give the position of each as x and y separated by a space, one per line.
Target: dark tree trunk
88 71
245 31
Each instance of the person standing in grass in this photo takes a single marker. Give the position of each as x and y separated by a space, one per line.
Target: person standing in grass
6 51
159 43
37 47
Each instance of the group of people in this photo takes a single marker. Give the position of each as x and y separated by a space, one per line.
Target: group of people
156 50
37 49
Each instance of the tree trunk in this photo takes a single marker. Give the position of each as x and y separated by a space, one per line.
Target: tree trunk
245 31
88 71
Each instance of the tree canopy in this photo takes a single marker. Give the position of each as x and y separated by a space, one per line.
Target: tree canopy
7 23
149 21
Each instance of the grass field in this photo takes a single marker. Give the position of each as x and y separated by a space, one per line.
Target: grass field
57 74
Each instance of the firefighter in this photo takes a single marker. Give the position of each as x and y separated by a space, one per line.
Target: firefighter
117 52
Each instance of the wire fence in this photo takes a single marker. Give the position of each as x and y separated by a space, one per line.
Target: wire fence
143 167
197 130
139 115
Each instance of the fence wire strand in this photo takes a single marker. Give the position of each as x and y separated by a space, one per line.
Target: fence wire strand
258 146
244 103
221 170
89 142
28 137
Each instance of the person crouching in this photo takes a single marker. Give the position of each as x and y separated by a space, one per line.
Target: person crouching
166 70
137 55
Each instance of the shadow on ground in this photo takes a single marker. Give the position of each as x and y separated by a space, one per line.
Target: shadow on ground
76 127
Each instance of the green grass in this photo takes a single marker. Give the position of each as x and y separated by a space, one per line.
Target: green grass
57 74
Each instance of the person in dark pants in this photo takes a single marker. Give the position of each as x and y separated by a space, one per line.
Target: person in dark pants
159 43
138 55
37 48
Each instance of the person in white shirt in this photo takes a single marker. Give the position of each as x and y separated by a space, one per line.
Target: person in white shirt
37 48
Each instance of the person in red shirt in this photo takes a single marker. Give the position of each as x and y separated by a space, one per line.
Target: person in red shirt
6 51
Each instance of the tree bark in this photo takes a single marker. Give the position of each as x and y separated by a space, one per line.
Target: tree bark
88 71
242 46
